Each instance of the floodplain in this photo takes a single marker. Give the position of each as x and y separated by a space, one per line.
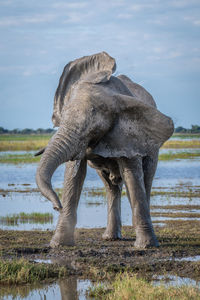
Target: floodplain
95 268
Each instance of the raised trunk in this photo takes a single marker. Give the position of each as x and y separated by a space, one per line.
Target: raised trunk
63 147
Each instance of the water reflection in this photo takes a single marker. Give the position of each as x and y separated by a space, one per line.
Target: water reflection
68 289
171 280
75 289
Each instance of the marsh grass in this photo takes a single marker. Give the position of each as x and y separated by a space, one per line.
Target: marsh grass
177 144
181 155
186 135
188 192
22 217
23 142
175 215
23 145
129 287
18 158
36 142
29 158
22 271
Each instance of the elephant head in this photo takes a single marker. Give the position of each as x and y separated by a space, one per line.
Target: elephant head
97 111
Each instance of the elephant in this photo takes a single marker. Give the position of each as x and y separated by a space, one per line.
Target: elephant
112 124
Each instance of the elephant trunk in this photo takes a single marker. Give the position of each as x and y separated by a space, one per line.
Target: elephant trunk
62 147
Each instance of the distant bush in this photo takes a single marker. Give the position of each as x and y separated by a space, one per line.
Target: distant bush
194 129
179 129
27 131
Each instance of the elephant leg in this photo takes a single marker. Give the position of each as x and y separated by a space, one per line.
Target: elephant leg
133 176
74 177
113 229
149 169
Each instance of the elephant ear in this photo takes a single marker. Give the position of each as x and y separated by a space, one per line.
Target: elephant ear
95 69
139 129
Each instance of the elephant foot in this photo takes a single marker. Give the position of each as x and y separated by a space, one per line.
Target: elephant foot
60 240
110 235
145 241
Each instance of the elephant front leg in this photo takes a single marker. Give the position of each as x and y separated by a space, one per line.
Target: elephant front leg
74 177
113 229
132 174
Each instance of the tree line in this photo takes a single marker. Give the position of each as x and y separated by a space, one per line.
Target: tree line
179 129
27 131
193 129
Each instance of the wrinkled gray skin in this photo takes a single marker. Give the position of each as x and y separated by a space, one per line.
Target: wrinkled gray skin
113 124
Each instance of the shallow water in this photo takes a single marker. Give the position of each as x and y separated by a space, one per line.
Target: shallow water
171 150
67 289
171 280
74 288
92 210
169 173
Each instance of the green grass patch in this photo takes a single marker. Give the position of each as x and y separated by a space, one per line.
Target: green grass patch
23 145
175 215
23 142
29 158
187 192
24 137
186 135
181 155
19 158
22 217
22 271
176 144
130 287
178 193
36 142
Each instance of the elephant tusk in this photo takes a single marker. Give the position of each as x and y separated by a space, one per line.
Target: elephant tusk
41 151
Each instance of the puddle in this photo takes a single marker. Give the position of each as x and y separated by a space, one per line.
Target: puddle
67 289
189 258
171 280
45 261
173 218
184 138
170 150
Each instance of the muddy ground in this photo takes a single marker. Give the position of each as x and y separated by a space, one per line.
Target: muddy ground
93 257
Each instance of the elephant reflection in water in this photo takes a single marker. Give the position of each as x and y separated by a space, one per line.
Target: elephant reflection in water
113 124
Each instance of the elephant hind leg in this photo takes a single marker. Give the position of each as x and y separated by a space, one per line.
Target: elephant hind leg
149 164
113 229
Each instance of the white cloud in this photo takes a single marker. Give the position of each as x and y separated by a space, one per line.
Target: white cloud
158 49
183 3
174 54
72 5
77 17
193 20
125 16
34 19
139 7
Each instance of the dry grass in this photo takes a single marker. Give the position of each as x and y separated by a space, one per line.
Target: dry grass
23 145
22 217
176 144
36 142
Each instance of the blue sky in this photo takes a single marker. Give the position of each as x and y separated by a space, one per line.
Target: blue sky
156 43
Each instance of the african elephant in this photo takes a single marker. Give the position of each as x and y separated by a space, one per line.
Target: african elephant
113 124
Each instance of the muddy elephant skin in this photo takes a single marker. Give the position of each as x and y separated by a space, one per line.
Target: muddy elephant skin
112 124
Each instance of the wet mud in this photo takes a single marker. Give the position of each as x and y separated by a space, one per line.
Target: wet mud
93 257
